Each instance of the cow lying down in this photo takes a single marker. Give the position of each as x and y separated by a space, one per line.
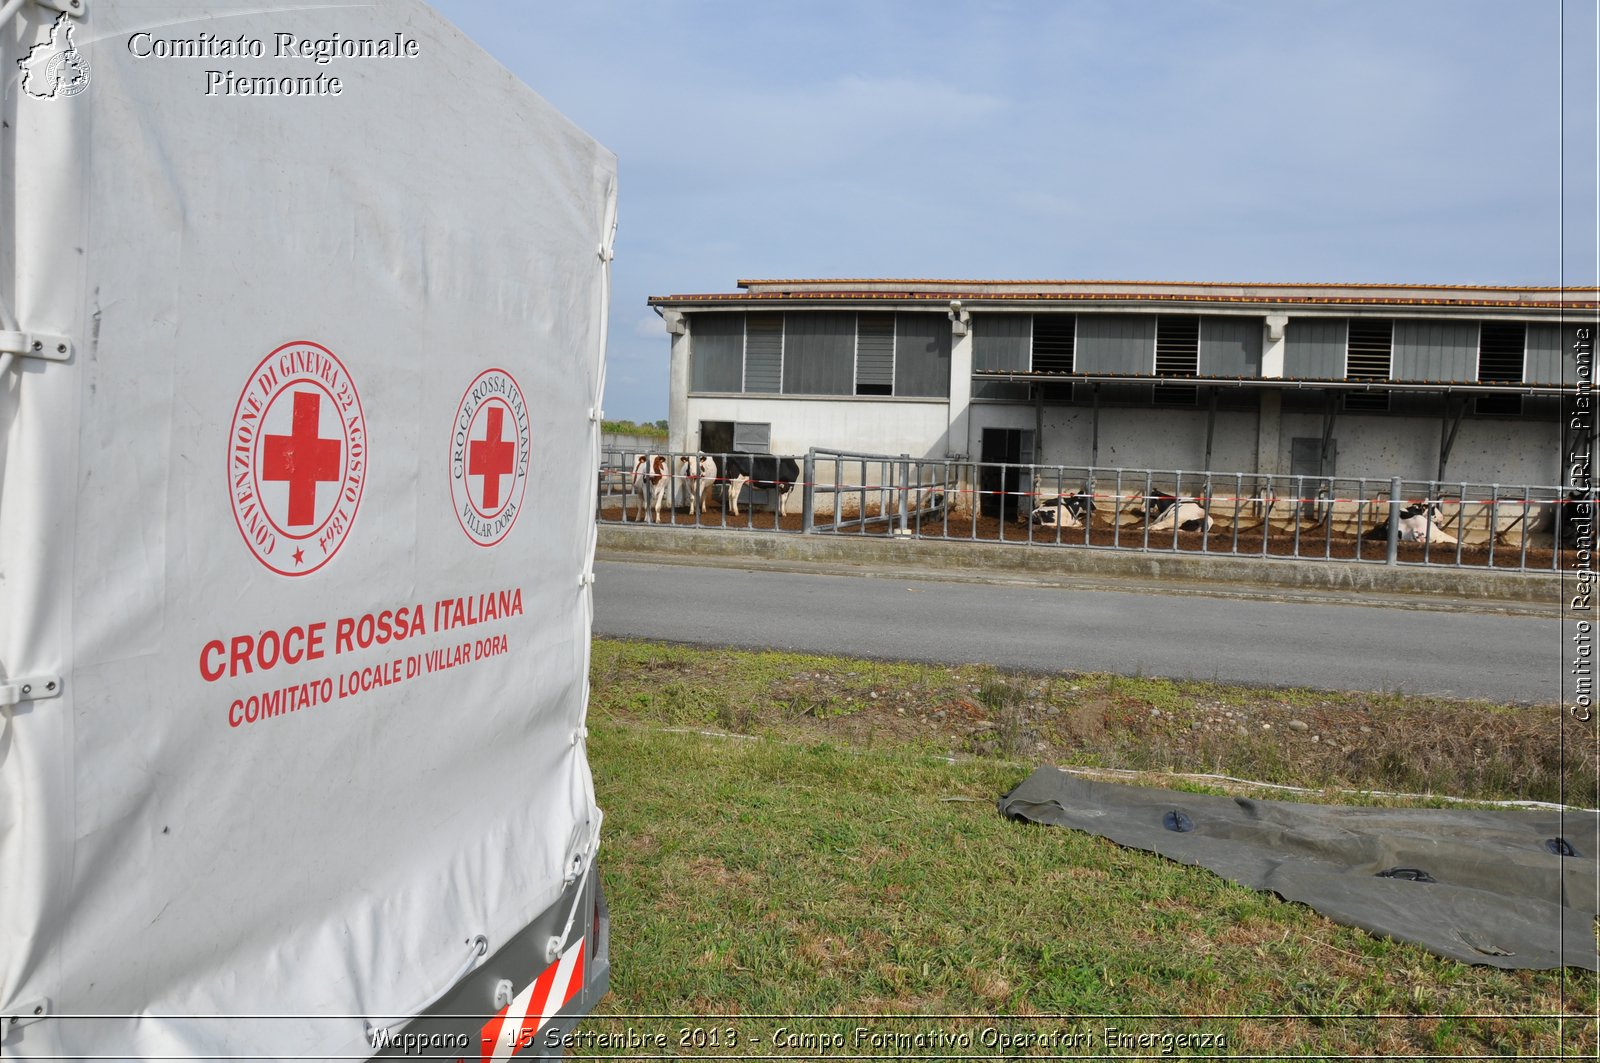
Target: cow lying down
1064 511
1165 511
1417 525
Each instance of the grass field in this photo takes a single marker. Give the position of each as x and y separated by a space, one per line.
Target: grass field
827 876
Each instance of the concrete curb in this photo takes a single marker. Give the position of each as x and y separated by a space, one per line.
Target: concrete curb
1196 573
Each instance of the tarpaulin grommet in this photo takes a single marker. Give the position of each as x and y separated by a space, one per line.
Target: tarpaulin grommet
1177 821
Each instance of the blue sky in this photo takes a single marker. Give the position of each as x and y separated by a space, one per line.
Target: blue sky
1226 140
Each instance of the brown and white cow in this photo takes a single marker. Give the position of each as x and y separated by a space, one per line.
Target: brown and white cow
695 477
652 477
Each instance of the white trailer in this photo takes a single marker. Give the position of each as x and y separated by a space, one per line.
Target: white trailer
303 318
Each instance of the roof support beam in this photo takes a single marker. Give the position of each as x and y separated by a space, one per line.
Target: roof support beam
1329 415
1447 432
1211 424
1094 435
1038 422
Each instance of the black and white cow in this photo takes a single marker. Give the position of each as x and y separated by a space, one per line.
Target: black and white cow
1064 511
1164 511
761 471
1417 522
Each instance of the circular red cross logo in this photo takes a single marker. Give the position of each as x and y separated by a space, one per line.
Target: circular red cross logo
297 458
490 446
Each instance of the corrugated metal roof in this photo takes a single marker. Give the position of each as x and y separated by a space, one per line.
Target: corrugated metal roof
1116 297
919 282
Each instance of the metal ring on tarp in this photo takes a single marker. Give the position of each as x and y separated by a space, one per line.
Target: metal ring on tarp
478 946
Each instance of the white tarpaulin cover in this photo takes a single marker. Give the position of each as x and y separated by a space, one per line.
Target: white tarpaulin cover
302 521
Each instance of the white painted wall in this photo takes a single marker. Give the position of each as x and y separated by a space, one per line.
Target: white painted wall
874 426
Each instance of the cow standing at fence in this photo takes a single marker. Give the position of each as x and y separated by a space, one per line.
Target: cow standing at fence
696 475
761 471
1064 511
651 480
1167 511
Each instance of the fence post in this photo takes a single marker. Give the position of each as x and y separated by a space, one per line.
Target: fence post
904 472
1394 522
808 495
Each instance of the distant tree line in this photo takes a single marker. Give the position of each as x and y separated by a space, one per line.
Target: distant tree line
629 428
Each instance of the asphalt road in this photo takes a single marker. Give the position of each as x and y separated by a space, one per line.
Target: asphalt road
1327 646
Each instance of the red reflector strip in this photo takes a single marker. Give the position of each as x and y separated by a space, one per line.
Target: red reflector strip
519 1022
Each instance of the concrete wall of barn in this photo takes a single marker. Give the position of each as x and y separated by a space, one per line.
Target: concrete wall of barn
873 426
1129 438
1487 450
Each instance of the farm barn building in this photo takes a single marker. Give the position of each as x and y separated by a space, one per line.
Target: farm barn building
1415 381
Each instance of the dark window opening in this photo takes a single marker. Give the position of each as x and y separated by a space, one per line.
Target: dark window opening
1177 346
1497 405
1238 399
1370 353
1053 342
1500 351
1175 395
1366 401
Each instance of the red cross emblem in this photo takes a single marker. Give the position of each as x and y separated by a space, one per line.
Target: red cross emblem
302 458
492 457
490 446
297 458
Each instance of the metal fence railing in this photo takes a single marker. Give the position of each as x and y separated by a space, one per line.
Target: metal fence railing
1392 521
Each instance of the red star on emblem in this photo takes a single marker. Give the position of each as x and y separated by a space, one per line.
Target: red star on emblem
299 556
